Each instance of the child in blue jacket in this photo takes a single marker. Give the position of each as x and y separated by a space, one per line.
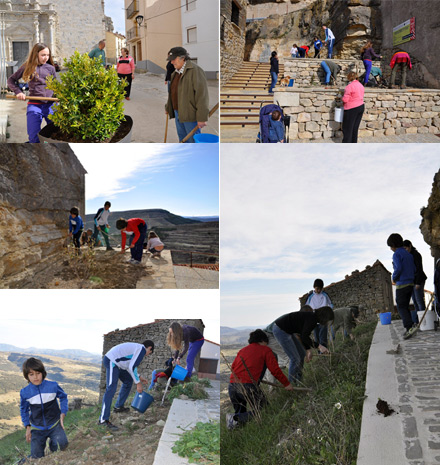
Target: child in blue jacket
317 44
403 276
40 413
76 227
276 128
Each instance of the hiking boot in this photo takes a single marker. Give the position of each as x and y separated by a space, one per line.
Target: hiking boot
230 422
109 248
108 425
121 409
410 332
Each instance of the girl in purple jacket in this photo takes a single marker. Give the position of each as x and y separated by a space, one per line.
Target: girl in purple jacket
367 55
36 69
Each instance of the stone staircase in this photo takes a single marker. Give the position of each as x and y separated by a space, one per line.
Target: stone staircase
244 94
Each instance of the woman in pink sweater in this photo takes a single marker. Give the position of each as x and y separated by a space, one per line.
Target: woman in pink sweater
125 69
353 108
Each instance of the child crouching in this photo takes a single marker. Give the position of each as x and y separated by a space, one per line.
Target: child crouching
40 412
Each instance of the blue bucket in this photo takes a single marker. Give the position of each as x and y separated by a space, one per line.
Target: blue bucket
385 318
142 401
291 81
206 138
179 373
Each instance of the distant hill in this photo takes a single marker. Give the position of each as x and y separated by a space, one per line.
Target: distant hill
72 354
232 336
203 219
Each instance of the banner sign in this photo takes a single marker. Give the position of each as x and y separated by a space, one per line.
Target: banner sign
404 32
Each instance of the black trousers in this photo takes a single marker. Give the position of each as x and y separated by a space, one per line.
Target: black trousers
350 124
128 86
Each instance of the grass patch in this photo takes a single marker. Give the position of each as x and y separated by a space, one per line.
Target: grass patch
195 389
201 444
319 428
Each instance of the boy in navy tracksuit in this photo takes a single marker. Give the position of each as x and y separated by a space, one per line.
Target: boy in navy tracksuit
40 413
76 227
403 277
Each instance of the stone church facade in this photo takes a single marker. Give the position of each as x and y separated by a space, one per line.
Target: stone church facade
63 25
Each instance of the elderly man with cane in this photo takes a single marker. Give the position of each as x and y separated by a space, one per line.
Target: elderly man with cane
188 97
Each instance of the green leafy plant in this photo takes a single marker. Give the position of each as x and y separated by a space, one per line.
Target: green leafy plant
201 444
90 106
193 389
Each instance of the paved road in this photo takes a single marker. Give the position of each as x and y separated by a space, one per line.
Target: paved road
410 382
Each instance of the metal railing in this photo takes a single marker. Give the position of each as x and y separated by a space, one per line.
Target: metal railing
191 253
132 9
133 33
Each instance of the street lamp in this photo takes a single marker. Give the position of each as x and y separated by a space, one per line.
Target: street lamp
139 19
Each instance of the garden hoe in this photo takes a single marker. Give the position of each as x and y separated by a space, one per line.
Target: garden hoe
188 136
166 129
28 97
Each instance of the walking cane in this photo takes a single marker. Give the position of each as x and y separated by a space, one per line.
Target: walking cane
166 128
28 97
188 136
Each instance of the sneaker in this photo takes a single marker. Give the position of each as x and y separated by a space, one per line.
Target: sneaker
121 409
410 332
135 262
230 422
110 248
108 425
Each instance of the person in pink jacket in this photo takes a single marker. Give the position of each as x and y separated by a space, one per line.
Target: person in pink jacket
353 108
125 69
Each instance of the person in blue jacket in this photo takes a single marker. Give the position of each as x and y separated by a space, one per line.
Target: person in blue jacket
276 128
76 227
40 413
318 299
403 276
121 363
317 44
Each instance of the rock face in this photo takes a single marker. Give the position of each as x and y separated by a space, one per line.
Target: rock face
156 332
430 226
39 184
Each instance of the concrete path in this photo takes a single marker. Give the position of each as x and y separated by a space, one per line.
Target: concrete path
183 415
195 278
146 107
162 276
410 382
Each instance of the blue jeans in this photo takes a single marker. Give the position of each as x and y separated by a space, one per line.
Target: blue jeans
113 374
327 71
193 350
294 350
331 43
137 250
240 395
321 335
274 77
403 297
103 233
183 129
57 439
418 297
34 117
294 55
368 64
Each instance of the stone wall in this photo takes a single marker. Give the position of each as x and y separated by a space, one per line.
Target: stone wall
430 226
156 332
387 112
370 289
39 184
232 39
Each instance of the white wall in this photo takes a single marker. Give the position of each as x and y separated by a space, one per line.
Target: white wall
205 16
210 350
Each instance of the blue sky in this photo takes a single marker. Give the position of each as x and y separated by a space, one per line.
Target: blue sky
182 179
290 216
115 9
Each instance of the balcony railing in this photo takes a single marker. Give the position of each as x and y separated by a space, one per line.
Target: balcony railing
133 9
133 33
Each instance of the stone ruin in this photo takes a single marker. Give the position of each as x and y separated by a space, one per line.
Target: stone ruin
157 332
371 289
39 184
430 225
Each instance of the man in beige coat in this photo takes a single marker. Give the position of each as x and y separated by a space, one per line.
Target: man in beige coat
188 98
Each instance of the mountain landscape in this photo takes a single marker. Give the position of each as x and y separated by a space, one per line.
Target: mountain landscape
235 336
79 379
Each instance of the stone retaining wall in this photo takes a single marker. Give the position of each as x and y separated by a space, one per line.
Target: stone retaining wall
156 332
370 289
387 112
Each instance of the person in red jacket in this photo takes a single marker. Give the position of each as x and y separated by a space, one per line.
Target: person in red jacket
125 70
248 370
138 228
403 61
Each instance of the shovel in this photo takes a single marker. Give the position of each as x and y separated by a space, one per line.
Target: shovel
188 136
166 128
28 97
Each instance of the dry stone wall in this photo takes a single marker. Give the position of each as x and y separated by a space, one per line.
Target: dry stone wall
39 184
370 289
387 112
156 332
430 226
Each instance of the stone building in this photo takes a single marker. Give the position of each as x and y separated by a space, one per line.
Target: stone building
39 184
430 226
232 36
64 25
370 288
157 332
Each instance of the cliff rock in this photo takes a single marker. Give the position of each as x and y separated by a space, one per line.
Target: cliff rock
430 226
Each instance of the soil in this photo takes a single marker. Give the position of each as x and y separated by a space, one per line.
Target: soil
383 408
104 270
135 443
54 132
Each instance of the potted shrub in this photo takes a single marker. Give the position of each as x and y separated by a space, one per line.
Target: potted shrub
90 107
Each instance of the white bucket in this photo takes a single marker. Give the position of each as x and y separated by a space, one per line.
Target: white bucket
339 115
428 321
